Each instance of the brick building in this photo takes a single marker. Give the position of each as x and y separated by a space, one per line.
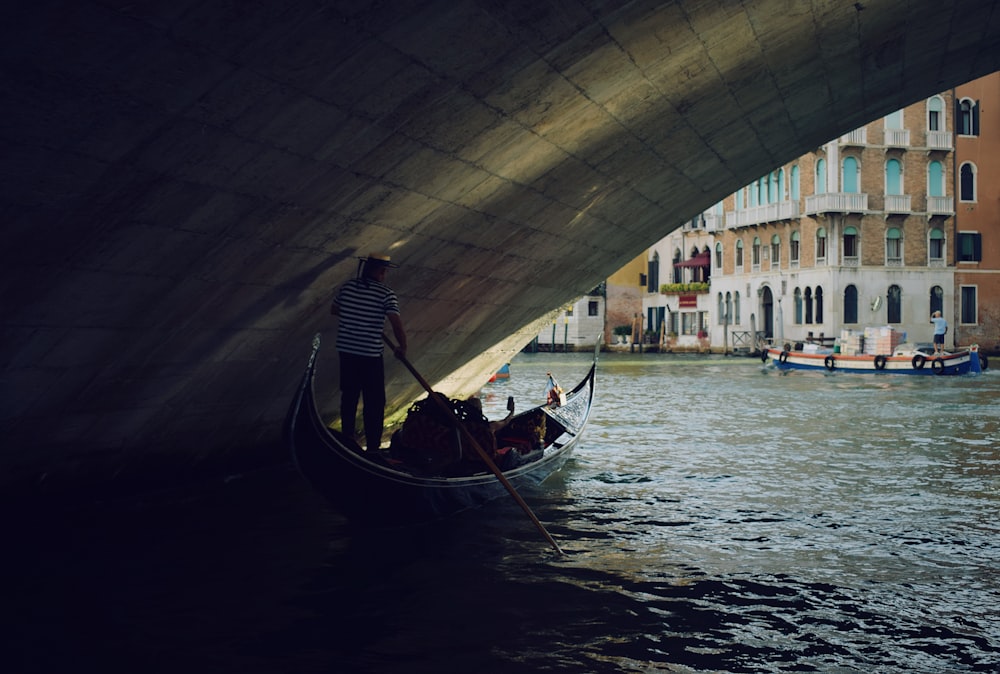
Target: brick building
860 232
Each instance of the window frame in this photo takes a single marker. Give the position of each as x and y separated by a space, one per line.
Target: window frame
968 179
893 242
931 245
968 293
971 251
852 251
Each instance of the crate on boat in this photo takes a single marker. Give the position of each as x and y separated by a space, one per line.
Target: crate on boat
882 340
852 342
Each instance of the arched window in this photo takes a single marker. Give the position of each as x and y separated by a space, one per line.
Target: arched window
935 245
797 302
773 195
968 117
850 304
765 196
967 182
736 309
893 177
850 177
894 120
775 251
779 194
893 246
755 252
850 243
718 256
739 255
740 199
653 274
808 301
677 275
721 310
935 179
819 304
793 248
821 243
820 176
795 183
935 114
936 300
894 304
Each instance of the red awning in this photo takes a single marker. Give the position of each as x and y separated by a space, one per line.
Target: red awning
699 260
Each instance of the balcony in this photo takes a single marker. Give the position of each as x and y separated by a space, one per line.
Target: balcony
837 202
713 222
758 215
856 137
939 140
897 203
897 138
940 206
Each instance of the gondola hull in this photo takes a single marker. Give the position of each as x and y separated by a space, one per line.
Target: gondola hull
374 490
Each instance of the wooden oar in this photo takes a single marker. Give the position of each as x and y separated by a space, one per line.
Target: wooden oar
469 438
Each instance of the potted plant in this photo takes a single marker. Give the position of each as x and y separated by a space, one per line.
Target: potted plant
623 333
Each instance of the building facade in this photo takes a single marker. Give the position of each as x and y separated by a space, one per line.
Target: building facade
576 326
977 218
677 305
860 232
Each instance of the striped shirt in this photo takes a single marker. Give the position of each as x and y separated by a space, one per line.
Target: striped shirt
364 304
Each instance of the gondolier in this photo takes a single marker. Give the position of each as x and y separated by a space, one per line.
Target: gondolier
363 304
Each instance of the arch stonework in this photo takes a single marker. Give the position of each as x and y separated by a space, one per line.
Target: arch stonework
185 183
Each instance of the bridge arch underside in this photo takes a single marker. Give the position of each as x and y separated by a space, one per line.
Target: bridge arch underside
185 183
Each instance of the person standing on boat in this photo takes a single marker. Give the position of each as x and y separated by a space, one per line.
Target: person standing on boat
940 328
363 304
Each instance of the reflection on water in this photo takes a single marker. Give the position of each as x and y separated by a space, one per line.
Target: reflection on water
717 516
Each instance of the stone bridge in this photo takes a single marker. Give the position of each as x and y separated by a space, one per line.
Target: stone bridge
185 182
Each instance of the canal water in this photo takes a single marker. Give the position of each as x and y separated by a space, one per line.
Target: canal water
718 516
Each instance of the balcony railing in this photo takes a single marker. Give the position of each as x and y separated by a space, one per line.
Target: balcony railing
856 137
897 137
939 140
837 202
897 203
940 205
756 215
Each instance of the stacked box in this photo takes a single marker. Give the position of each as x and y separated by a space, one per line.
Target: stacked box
852 342
882 340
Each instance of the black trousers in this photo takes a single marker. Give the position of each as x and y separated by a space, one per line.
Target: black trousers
362 376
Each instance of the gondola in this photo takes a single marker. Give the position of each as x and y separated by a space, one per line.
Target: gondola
374 488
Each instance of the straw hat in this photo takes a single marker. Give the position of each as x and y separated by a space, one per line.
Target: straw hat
379 259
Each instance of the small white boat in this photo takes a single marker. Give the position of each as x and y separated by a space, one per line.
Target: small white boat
905 359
